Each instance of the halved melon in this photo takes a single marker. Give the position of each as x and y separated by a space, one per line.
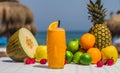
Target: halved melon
21 44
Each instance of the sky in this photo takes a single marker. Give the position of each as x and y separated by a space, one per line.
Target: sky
73 14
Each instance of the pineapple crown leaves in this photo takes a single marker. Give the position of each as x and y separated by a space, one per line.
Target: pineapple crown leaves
96 11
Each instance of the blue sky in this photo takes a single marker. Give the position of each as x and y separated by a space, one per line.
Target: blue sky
72 13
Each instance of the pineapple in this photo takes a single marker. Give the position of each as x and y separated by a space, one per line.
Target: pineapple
101 32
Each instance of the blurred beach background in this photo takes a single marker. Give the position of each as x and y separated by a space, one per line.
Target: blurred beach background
73 15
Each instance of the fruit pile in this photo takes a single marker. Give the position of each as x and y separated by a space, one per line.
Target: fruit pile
94 47
79 51
82 51
40 56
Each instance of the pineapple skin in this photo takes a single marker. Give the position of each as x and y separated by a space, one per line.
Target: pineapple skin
102 35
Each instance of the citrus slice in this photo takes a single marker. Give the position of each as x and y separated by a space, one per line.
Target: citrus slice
54 25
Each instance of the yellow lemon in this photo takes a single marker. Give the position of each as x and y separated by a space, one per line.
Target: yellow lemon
41 52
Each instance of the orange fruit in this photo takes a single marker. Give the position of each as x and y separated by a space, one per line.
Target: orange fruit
54 25
87 41
95 54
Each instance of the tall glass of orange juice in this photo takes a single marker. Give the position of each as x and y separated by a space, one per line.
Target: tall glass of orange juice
56 45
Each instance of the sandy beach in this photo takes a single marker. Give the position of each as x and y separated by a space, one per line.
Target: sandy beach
3 52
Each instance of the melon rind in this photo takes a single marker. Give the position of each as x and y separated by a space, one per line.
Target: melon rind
17 49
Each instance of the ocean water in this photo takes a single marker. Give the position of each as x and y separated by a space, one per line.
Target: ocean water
41 36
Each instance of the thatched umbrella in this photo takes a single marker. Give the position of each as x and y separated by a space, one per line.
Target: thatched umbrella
13 16
114 24
9 0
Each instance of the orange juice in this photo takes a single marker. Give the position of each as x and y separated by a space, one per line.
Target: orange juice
56 47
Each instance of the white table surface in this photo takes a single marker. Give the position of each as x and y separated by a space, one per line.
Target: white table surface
8 66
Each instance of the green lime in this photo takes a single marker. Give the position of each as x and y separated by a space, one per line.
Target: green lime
85 59
69 56
77 40
76 57
73 46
